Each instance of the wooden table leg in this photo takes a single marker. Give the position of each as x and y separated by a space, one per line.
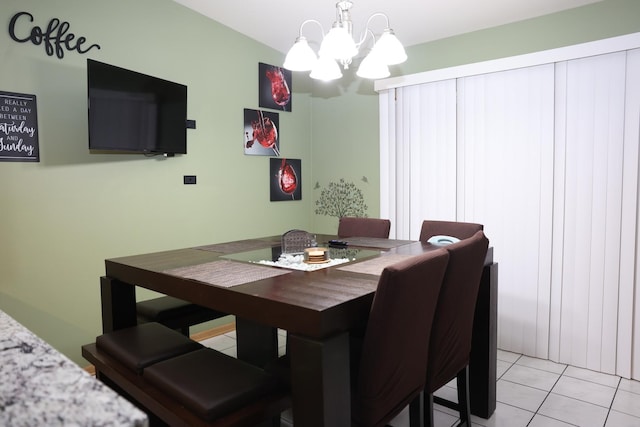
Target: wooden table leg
257 343
482 367
320 381
118 304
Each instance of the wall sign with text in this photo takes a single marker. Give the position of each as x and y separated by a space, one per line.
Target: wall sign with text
55 37
18 128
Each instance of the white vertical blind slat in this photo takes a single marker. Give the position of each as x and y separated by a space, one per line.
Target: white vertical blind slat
628 344
505 158
591 222
388 158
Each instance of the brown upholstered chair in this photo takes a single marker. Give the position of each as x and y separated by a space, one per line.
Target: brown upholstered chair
364 227
450 346
461 230
391 367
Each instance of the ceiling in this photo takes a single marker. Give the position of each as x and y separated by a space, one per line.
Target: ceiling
276 23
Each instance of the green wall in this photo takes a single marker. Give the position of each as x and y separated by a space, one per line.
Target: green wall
345 114
63 216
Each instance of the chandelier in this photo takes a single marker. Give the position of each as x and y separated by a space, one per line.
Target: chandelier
338 46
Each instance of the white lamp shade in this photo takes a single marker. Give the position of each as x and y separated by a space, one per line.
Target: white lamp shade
326 69
389 48
300 57
338 44
372 67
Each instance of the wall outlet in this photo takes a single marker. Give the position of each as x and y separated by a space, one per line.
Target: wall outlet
189 179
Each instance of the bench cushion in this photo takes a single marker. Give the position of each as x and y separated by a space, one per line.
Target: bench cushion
210 383
166 307
140 346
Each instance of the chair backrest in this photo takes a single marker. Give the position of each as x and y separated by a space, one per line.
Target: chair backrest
296 241
461 230
392 365
450 347
364 227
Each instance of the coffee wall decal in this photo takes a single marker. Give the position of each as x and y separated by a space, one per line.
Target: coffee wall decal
55 37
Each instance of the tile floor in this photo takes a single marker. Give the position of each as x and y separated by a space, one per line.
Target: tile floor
531 393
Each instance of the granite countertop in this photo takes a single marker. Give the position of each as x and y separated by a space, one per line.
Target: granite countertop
41 387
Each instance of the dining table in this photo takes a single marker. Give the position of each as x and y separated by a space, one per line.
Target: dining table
318 304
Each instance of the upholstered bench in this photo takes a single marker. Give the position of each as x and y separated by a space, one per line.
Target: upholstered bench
181 383
143 345
174 313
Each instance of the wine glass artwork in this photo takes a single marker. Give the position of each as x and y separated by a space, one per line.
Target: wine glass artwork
261 133
275 87
285 179
279 88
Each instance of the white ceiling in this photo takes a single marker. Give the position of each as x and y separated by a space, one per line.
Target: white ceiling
276 23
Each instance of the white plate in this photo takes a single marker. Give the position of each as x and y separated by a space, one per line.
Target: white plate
443 240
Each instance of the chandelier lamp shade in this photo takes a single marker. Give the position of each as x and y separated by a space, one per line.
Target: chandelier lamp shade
339 46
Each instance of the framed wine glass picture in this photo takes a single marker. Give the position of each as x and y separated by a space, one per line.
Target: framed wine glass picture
261 133
285 177
275 87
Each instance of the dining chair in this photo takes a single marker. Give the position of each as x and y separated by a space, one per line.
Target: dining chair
296 241
390 361
364 227
450 345
460 230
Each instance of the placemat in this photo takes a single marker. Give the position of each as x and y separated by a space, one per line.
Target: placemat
376 242
225 273
234 247
376 265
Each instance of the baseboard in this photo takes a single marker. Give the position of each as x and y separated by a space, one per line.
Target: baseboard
214 332
198 336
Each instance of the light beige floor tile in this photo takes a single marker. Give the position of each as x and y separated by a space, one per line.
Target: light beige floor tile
586 391
504 416
520 396
618 419
440 419
573 411
501 367
220 343
532 377
232 351
542 421
626 402
545 365
507 356
593 376
630 385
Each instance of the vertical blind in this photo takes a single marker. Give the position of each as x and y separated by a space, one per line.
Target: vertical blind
546 157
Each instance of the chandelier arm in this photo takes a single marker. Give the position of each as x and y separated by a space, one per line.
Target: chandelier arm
378 14
367 29
364 37
309 21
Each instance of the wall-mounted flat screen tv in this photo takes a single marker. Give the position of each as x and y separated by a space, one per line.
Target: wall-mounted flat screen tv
134 112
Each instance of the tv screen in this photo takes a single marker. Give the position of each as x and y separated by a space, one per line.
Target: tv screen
135 112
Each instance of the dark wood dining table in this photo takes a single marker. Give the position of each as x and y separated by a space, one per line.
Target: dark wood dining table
317 308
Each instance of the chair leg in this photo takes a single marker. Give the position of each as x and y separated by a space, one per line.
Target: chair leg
427 407
416 412
272 422
464 405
